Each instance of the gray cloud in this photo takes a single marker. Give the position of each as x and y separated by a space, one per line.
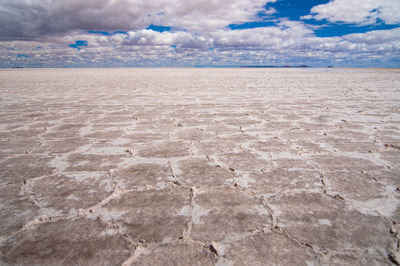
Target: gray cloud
39 32
35 18
292 43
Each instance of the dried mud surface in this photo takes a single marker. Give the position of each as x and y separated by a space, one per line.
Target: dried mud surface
199 167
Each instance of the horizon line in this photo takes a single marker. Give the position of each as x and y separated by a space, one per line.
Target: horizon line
149 67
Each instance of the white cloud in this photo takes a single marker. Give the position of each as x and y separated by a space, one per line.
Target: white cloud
288 43
264 38
44 29
378 37
358 11
154 38
32 18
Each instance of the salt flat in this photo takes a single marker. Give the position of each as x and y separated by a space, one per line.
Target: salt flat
199 166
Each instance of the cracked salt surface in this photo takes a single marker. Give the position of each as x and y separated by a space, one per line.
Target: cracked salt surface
385 206
199 166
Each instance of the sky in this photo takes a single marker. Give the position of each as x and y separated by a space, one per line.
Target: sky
199 33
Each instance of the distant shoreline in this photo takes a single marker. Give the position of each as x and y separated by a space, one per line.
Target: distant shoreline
286 66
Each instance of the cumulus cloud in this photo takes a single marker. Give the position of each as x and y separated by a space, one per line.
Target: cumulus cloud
154 38
33 18
262 38
287 43
378 37
358 11
55 33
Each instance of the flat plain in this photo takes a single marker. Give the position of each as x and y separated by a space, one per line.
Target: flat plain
225 166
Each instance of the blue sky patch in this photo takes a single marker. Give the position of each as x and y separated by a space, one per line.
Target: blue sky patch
250 25
22 56
294 9
99 32
285 9
78 43
333 30
158 28
106 33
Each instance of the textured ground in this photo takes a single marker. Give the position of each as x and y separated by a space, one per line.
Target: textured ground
199 167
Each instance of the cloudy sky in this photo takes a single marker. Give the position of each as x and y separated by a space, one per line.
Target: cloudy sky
118 33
